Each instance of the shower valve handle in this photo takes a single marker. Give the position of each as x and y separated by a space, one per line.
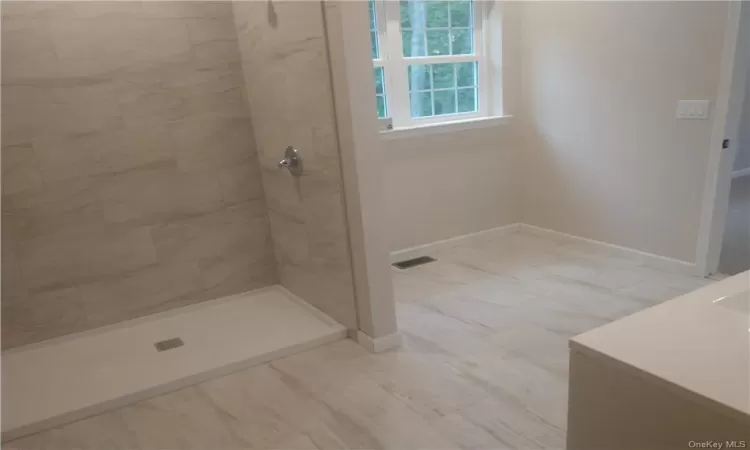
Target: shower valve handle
292 161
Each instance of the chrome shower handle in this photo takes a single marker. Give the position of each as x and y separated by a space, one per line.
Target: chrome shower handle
292 161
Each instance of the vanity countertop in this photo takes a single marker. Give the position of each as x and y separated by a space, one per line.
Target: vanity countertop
697 344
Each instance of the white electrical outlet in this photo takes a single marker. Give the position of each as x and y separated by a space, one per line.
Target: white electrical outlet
692 109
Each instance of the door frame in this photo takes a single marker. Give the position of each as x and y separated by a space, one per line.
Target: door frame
735 65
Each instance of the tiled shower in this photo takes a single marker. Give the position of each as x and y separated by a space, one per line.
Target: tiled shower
139 149
146 222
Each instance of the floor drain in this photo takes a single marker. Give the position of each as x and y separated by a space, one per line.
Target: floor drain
414 262
168 344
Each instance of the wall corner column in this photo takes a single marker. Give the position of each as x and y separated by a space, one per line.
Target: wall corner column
362 166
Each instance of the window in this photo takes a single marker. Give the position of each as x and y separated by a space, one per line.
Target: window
428 57
379 77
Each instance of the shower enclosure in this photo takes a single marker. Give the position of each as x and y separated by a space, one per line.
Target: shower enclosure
140 152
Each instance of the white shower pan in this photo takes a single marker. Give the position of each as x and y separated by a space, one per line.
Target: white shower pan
62 380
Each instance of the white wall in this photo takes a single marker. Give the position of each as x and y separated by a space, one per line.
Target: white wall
450 184
742 161
604 157
446 185
361 165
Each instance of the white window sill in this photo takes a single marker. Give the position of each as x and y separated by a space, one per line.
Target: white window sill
444 127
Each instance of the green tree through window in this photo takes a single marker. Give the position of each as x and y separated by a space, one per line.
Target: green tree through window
437 60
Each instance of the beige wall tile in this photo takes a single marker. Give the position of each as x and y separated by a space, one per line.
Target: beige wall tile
240 183
55 10
210 142
42 316
20 171
186 76
214 90
148 101
64 156
325 286
110 9
158 193
144 291
283 193
59 207
322 182
306 214
160 9
241 227
131 180
31 49
79 109
13 286
228 274
46 108
211 30
229 103
216 53
33 10
107 300
121 43
83 254
26 103
325 228
289 239
14 332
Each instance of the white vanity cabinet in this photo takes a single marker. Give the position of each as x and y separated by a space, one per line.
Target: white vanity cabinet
675 376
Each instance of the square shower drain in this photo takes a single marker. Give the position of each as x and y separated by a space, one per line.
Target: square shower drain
168 344
414 262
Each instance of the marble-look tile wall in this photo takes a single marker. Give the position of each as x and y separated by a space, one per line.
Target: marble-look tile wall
288 83
130 179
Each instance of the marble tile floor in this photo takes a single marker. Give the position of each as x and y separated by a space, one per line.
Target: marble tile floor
484 364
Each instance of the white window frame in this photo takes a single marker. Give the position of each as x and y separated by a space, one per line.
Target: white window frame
382 51
395 66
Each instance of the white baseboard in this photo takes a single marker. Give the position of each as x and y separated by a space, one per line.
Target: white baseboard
381 344
741 173
650 259
426 249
